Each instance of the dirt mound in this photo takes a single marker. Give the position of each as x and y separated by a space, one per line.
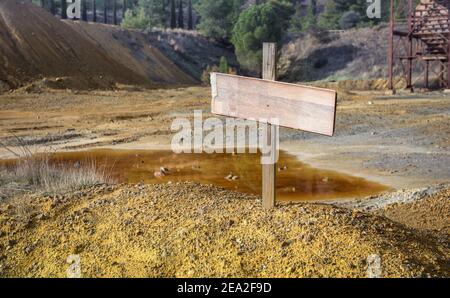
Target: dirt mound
357 54
190 230
191 51
135 50
431 213
345 55
35 45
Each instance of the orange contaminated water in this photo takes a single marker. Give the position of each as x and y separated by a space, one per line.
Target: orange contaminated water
295 180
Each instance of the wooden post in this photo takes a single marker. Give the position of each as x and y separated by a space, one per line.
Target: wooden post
269 71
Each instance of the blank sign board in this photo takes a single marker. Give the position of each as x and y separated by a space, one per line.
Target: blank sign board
295 106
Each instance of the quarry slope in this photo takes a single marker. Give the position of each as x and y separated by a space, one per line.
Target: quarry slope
341 55
35 45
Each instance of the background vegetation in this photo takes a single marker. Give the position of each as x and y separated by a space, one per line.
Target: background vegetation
240 24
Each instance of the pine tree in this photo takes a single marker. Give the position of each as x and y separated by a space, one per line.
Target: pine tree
63 9
124 8
105 11
190 20
164 11
310 21
94 11
217 18
115 12
329 19
52 7
173 18
314 7
84 11
296 20
180 15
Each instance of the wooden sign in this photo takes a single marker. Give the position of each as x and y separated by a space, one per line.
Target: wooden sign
295 106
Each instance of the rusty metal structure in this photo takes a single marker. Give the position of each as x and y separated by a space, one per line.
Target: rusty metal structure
419 39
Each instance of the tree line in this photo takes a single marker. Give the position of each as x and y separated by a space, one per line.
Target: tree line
161 13
243 23
91 9
134 13
216 18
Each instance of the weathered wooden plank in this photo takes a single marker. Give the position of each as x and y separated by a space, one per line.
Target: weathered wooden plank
295 106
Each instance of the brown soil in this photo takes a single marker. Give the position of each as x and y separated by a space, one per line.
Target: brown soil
134 50
190 230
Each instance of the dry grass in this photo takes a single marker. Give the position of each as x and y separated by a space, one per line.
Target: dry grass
40 172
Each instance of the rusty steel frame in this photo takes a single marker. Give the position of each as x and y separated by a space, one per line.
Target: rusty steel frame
419 34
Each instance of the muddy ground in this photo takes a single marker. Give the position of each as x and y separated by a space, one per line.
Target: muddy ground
401 142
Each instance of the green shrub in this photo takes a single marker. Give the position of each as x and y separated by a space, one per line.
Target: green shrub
223 65
217 17
329 19
349 20
137 20
206 75
146 14
257 24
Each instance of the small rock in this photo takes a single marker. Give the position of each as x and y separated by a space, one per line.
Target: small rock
40 216
286 243
282 168
28 249
158 174
308 238
229 177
